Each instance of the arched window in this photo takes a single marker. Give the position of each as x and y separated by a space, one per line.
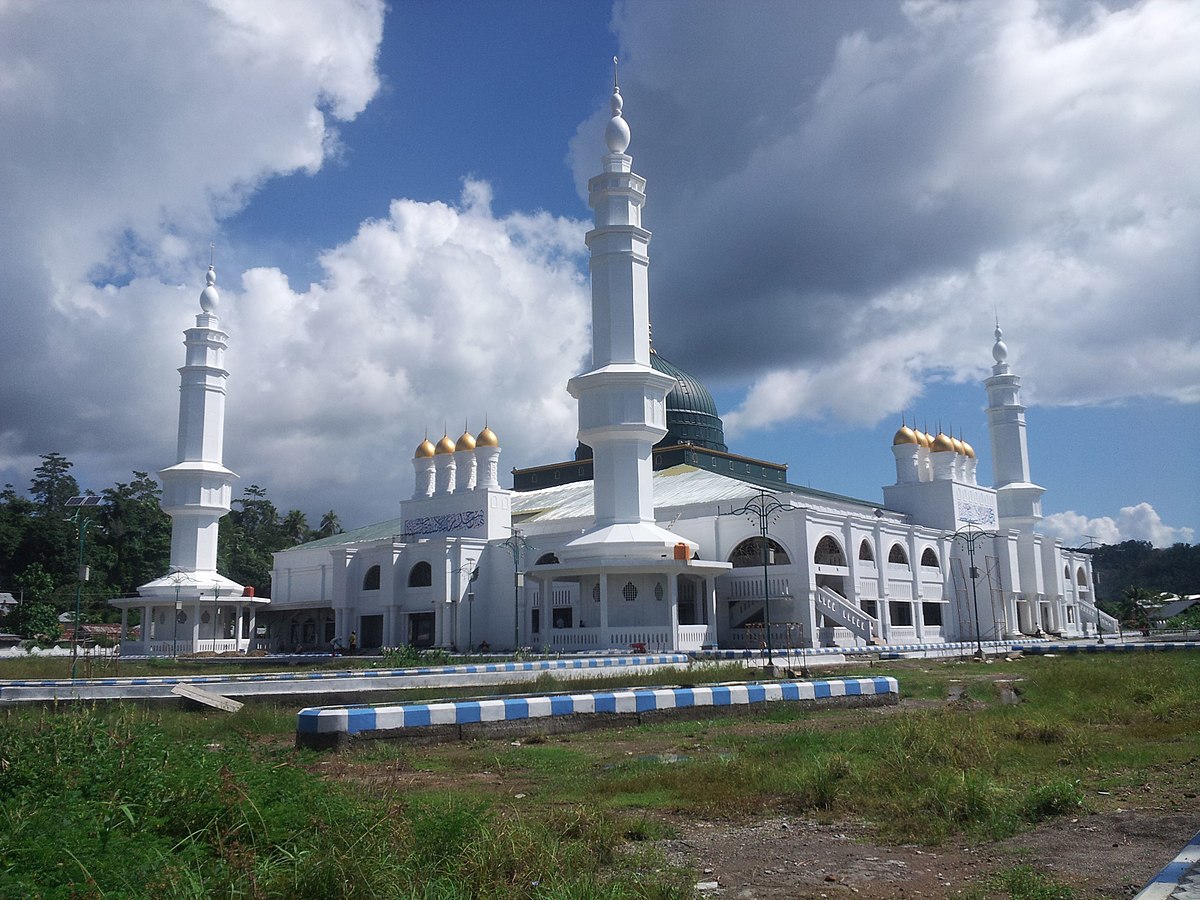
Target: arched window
865 553
371 579
829 553
929 559
547 559
1080 578
749 553
420 575
897 555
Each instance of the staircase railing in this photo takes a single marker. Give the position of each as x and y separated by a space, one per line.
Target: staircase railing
833 606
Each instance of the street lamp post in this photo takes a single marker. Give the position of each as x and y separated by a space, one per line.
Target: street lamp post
969 536
216 611
82 523
516 542
764 507
177 578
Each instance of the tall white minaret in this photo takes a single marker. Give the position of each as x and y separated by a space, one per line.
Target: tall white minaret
197 489
1019 500
622 399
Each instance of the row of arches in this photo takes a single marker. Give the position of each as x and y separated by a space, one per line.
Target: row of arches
420 575
828 552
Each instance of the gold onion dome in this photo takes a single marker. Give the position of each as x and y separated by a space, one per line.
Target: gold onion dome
465 442
968 450
905 436
425 449
959 447
487 438
924 439
445 445
942 444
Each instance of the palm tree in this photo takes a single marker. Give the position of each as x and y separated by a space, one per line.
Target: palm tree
330 525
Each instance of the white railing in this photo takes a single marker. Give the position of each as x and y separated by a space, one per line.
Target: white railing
902 634
750 587
900 590
837 637
898 569
932 632
696 637
833 606
565 639
932 590
651 638
868 587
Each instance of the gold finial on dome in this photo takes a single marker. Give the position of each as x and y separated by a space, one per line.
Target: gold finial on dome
445 445
487 438
905 436
425 449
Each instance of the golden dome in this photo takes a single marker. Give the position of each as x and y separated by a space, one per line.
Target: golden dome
959 447
923 439
445 445
425 449
968 450
466 442
487 438
942 444
905 436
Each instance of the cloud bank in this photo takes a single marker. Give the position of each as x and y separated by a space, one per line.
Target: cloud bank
1135 523
870 184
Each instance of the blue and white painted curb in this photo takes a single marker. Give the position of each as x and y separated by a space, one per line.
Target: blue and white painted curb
1107 648
1183 872
537 665
361 720
883 651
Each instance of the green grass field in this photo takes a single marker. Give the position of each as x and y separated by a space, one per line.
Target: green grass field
120 801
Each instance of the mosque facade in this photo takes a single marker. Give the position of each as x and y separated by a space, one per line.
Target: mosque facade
656 536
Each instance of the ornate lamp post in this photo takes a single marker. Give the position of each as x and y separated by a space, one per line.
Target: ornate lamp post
82 523
765 508
177 578
516 543
970 536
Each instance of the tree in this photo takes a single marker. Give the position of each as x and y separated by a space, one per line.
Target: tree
295 527
330 525
53 485
35 616
137 533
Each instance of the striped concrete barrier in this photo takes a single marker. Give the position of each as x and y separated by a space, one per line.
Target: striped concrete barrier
1179 878
330 726
1150 647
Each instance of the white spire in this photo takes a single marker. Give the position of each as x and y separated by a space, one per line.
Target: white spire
616 134
999 349
209 298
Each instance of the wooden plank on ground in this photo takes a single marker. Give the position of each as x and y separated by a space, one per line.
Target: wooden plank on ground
208 698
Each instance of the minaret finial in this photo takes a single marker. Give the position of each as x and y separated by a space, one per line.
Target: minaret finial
209 298
616 135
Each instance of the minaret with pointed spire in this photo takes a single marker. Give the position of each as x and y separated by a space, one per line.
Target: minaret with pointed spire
622 399
1018 499
197 490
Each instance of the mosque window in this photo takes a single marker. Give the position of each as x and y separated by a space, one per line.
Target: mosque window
658 590
547 559
929 559
865 553
1081 578
630 591
420 575
829 553
902 613
749 553
931 613
371 579
897 555
596 592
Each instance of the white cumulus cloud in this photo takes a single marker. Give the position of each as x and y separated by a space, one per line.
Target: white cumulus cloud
1134 523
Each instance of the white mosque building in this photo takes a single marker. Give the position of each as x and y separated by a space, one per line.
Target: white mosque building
656 536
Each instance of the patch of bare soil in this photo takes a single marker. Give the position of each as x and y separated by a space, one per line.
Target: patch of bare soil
1105 855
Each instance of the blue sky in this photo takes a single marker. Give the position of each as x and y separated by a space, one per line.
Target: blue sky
843 197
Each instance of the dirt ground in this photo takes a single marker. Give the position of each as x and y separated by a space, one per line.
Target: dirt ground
1103 855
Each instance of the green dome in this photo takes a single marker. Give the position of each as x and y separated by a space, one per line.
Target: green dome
691 413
